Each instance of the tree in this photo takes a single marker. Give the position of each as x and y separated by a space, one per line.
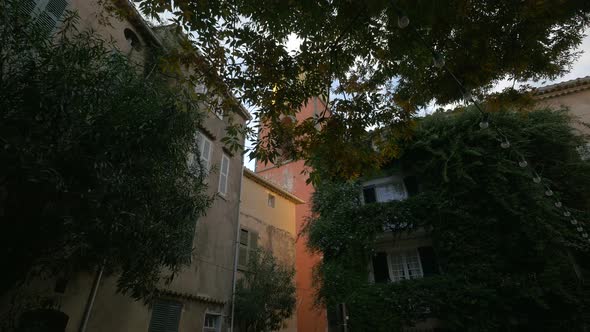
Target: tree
376 56
511 260
93 154
265 296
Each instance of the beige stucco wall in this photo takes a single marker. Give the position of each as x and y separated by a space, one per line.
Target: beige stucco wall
275 226
210 275
578 102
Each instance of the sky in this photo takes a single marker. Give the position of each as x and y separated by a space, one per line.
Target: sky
580 68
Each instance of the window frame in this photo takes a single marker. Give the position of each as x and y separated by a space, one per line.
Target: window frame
403 254
203 140
167 301
40 8
383 182
216 328
404 257
223 174
271 200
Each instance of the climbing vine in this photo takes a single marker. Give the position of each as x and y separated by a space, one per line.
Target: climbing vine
509 259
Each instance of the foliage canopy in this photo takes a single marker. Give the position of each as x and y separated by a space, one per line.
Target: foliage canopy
378 73
265 296
505 251
93 157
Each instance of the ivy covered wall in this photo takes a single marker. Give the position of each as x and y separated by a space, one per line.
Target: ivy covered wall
510 260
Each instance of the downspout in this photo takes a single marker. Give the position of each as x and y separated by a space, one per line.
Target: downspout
236 248
91 297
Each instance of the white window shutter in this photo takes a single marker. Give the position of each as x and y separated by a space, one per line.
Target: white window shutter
223 174
206 153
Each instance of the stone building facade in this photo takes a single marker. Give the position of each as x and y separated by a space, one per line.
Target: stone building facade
199 297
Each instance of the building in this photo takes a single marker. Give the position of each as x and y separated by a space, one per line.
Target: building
572 94
267 219
199 297
289 176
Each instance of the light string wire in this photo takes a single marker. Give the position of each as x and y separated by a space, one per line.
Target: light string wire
439 62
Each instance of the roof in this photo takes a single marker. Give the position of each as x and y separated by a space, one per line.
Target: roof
562 88
271 186
147 32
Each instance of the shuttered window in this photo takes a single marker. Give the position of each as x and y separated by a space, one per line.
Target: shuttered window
223 174
404 265
212 323
165 316
204 145
47 13
248 245
380 268
386 191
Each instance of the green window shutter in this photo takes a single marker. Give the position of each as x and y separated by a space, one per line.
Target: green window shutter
165 316
47 13
188 239
253 240
428 261
369 195
242 255
380 268
244 237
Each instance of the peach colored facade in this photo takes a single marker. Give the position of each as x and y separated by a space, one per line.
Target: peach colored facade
274 222
310 318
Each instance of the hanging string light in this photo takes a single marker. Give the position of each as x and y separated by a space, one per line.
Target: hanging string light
403 21
439 62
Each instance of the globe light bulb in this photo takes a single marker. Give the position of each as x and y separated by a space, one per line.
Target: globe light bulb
574 222
403 21
484 124
505 144
522 163
439 61
566 213
549 192
558 204
537 179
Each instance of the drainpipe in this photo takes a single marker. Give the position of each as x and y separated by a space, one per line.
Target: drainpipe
91 298
236 248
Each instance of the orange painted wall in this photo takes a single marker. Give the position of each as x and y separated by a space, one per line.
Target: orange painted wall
289 176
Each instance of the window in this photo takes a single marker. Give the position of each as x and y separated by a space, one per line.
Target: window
204 144
248 244
223 174
212 323
404 265
165 316
584 151
216 105
218 111
47 13
132 39
392 190
271 200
